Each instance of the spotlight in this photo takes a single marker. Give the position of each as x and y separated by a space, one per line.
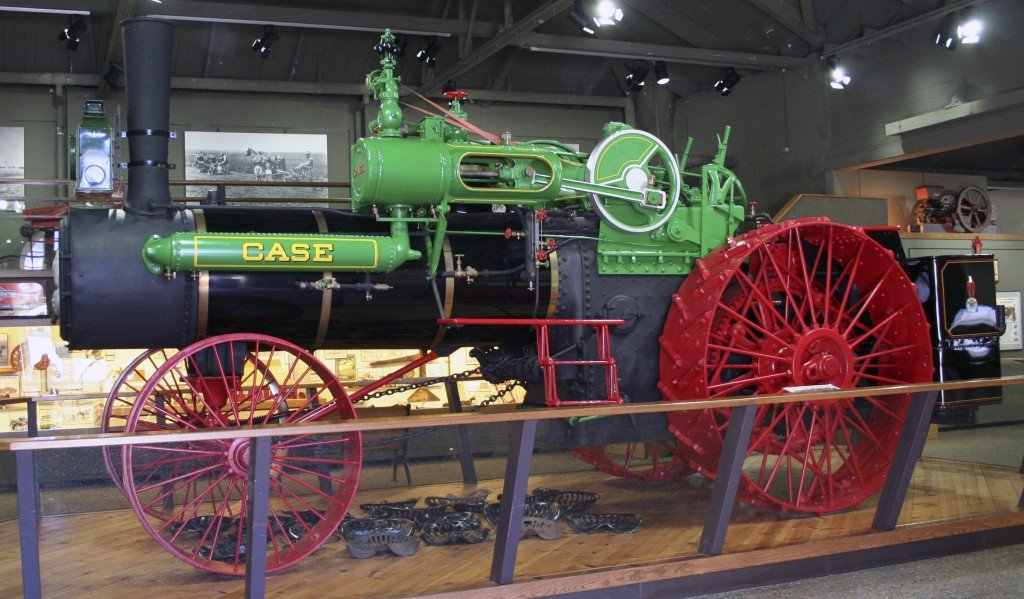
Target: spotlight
428 55
636 76
661 72
579 18
838 78
946 36
968 31
728 82
606 13
263 43
73 34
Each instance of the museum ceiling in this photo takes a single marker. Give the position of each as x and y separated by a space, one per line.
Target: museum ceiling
520 50
526 46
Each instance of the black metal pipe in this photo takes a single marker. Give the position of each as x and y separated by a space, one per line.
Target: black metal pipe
147 74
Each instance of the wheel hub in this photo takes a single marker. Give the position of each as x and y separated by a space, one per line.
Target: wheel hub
238 457
823 357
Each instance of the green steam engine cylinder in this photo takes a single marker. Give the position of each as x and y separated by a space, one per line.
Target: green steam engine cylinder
434 171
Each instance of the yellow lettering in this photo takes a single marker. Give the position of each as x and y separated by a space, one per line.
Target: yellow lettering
256 257
276 254
322 252
300 252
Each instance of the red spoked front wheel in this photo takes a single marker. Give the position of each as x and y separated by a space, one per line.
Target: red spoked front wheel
649 461
120 400
800 303
191 496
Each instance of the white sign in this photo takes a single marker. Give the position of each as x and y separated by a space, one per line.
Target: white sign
1012 338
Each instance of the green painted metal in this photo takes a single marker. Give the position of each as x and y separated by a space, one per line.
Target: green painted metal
656 218
269 252
708 213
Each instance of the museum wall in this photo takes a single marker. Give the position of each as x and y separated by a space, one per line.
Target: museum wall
779 136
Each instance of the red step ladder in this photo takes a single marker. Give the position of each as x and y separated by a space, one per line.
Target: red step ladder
548 364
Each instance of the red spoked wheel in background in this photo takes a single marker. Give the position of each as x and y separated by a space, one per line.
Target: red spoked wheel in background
191 496
649 461
799 303
120 400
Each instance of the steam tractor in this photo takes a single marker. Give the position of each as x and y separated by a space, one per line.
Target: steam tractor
449 223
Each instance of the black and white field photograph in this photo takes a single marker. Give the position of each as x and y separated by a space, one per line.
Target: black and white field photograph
277 157
12 160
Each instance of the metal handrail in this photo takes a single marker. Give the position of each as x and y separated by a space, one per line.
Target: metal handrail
487 416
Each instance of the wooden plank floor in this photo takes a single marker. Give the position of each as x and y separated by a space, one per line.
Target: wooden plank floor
107 553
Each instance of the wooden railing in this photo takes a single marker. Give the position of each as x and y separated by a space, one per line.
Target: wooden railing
524 426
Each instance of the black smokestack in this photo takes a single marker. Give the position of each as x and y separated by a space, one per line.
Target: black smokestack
147 74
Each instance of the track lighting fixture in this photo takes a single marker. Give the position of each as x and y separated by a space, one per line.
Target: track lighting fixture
969 28
959 28
428 55
73 34
606 13
661 72
579 18
838 77
636 76
946 35
728 82
263 43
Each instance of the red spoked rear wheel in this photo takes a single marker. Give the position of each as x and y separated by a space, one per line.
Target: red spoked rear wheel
650 461
800 303
191 496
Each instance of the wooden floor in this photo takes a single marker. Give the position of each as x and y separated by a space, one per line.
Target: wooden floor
108 554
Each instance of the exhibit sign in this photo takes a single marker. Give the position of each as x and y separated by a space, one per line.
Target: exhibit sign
1012 338
12 163
272 157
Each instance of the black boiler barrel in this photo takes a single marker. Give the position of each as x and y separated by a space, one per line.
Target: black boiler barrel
113 289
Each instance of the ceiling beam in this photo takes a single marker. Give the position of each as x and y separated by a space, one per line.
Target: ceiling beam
632 50
59 7
312 18
807 13
498 42
669 15
113 50
501 78
310 88
789 17
73 79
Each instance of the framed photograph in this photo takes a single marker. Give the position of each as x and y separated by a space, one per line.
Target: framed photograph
12 160
1012 338
5 355
278 157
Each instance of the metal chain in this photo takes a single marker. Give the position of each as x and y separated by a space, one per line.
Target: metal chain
509 386
419 385
501 392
